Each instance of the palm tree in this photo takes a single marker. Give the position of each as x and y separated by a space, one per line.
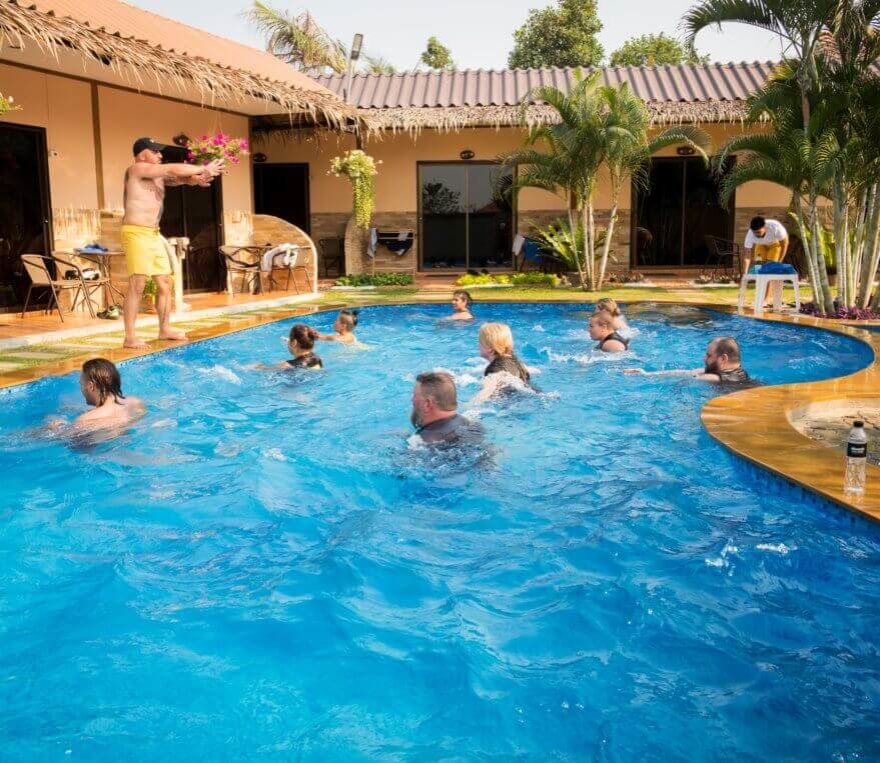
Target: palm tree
378 65
598 127
297 40
799 24
827 89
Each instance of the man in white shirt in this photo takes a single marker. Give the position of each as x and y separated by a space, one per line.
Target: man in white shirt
767 241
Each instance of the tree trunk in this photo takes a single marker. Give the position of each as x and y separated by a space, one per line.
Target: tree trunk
354 247
871 250
606 248
841 243
573 227
808 255
588 247
819 258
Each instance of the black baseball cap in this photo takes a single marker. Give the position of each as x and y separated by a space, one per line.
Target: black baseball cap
141 143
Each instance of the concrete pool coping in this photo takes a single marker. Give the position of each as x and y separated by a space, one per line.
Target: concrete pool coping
756 423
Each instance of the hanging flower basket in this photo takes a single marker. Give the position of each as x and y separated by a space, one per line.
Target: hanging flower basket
220 147
7 104
360 169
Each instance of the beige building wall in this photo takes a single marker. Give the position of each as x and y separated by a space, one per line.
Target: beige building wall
63 107
397 183
126 116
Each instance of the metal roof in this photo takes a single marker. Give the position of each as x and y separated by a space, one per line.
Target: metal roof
686 83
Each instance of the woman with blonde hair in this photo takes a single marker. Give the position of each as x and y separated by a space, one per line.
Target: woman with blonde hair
611 307
496 346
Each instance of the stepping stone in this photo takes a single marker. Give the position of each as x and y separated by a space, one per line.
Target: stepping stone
35 355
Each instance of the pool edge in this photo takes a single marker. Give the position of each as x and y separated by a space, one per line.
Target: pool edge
755 423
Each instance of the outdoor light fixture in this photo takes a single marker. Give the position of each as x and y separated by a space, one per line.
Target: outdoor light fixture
260 158
181 139
466 155
685 151
356 44
354 54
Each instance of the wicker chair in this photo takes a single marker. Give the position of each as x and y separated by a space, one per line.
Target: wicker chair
725 257
39 269
250 271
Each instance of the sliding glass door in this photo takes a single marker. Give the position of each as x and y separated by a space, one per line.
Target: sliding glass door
465 222
673 217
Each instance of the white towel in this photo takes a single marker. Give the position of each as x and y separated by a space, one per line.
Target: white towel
278 257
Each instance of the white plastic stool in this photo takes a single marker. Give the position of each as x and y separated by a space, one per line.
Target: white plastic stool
762 282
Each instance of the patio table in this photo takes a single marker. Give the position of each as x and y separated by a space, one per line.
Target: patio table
102 262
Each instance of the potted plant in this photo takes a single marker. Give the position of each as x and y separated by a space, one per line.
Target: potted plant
360 169
149 297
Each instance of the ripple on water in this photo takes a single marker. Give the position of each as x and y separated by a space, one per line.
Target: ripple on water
263 567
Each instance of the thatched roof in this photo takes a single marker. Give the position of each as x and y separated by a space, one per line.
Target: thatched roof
157 54
452 100
461 117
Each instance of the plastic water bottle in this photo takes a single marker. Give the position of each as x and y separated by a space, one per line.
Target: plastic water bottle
856 456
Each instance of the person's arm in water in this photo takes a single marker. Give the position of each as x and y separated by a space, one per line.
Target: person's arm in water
331 337
697 372
491 385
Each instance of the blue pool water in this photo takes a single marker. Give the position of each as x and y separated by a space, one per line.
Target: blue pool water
264 569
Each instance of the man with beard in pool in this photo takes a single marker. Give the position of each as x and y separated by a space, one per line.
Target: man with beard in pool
721 365
434 404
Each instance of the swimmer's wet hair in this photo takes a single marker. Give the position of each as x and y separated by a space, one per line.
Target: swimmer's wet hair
727 345
468 299
609 306
304 336
105 376
440 387
602 318
349 318
498 337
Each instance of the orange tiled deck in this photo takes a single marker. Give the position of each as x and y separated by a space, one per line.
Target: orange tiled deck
12 325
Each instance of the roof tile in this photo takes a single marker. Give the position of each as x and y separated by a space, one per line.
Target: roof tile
686 83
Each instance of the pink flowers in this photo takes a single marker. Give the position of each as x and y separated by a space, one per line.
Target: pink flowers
219 147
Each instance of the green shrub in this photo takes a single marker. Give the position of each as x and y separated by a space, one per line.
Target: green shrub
535 279
376 279
484 279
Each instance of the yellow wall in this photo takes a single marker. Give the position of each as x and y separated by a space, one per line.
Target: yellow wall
127 116
63 107
397 179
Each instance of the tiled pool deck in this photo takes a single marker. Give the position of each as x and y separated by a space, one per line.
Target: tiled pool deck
754 423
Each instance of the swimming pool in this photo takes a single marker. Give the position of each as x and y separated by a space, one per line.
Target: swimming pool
264 569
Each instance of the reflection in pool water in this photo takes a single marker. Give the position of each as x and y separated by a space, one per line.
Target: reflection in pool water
264 568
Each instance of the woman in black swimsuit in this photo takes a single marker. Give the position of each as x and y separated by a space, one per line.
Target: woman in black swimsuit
602 329
301 345
496 346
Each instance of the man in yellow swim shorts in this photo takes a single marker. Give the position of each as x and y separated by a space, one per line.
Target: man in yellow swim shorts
142 244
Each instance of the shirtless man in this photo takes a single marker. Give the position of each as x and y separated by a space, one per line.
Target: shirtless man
142 244
102 388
